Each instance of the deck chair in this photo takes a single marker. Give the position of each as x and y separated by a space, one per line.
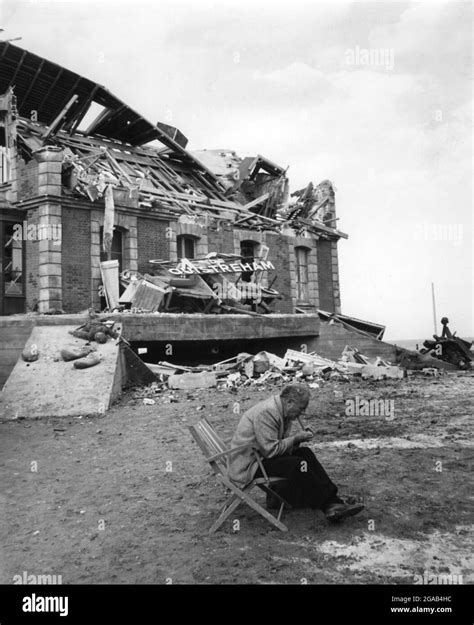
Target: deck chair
217 453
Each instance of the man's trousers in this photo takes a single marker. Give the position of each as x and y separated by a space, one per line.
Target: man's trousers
308 485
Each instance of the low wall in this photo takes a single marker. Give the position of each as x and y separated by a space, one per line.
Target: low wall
144 328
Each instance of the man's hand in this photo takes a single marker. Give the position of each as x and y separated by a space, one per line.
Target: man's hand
301 437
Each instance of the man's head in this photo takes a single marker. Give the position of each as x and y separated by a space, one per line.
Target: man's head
294 399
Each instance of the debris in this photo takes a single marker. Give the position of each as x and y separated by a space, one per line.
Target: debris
148 402
374 330
261 363
205 379
318 362
351 354
148 296
136 371
381 372
109 270
249 369
430 371
160 370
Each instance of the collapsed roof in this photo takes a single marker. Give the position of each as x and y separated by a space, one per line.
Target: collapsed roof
47 88
112 150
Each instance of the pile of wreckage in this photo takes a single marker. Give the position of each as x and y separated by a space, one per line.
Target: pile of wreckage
103 142
145 177
267 368
192 287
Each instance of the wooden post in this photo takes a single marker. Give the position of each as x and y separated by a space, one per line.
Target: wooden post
434 306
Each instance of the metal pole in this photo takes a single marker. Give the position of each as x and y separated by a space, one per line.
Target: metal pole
434 306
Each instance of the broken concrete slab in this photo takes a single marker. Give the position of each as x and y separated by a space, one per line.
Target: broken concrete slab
374 372
205 379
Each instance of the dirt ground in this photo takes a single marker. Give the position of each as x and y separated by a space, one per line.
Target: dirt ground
106 506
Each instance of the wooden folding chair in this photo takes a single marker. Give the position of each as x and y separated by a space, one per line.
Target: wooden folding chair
217 454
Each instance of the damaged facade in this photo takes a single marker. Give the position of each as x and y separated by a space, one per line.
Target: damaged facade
66 142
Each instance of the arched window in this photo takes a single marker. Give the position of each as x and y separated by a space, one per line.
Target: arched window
186 247
302 254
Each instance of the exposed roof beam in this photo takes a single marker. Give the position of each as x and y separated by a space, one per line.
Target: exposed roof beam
32 84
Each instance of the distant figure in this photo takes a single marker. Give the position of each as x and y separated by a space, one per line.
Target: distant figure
417 348
267 426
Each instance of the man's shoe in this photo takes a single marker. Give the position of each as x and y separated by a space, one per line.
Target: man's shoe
338 511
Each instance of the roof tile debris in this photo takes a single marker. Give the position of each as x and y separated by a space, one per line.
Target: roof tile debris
251 192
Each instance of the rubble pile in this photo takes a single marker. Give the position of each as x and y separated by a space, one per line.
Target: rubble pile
196 287
265 368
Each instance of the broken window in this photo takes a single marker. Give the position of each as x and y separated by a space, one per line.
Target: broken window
116 253
12 262
4 164
302 254
186 247
248 250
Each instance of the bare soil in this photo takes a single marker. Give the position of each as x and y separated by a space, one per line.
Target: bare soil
128 497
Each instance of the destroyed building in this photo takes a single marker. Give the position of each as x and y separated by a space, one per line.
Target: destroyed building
192 256
65 140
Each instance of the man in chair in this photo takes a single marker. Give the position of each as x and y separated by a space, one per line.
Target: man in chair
266 426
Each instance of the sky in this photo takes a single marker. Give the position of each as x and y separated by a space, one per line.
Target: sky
374 96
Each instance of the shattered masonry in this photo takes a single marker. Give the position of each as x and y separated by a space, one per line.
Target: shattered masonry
58 160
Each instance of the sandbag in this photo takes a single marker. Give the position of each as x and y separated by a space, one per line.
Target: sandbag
89 361
30 354
74 354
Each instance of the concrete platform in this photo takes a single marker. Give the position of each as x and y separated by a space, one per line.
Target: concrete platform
168 327
200 327
52 387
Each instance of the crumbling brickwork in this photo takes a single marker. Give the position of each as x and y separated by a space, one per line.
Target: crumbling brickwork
27 183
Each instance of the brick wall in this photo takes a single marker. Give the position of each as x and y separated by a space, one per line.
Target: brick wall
27 179
335 277
32 265
279 256
76 259
152 242
325 276
221 241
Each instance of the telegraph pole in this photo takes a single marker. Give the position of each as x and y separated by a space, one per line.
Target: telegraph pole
434 306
